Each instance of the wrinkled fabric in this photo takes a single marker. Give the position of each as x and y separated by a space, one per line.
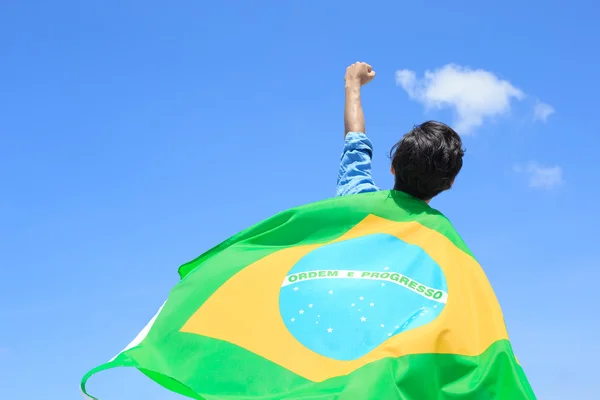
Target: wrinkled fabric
354 175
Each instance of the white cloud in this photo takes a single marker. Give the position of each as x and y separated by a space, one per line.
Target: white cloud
541 111
473 94
541 177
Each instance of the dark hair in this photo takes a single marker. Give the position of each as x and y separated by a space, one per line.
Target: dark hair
427 159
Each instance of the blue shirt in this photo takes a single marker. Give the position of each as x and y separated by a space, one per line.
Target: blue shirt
354 175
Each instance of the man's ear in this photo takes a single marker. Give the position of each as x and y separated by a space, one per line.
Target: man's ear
392 170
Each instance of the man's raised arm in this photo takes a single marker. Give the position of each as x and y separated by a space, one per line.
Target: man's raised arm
354 175
357 74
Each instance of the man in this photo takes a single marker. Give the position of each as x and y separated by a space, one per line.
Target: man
425 161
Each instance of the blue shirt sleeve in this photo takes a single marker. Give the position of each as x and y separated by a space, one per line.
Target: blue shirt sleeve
354 175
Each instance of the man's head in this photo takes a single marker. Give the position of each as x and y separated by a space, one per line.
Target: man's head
426 160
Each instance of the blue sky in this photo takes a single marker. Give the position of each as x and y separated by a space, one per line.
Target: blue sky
130 129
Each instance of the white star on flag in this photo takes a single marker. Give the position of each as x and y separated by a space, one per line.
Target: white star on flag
386 268
363 319
329 330
361 298
295 288
382 325
301 312
331 292
293 319
317 322
372 304
310 306
389 334
352 304
383 284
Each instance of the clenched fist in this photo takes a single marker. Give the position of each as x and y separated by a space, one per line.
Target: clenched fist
359 73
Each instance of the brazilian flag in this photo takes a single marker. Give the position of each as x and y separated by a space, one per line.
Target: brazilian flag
366 297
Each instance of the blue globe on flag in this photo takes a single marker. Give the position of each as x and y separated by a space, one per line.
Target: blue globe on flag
344 299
